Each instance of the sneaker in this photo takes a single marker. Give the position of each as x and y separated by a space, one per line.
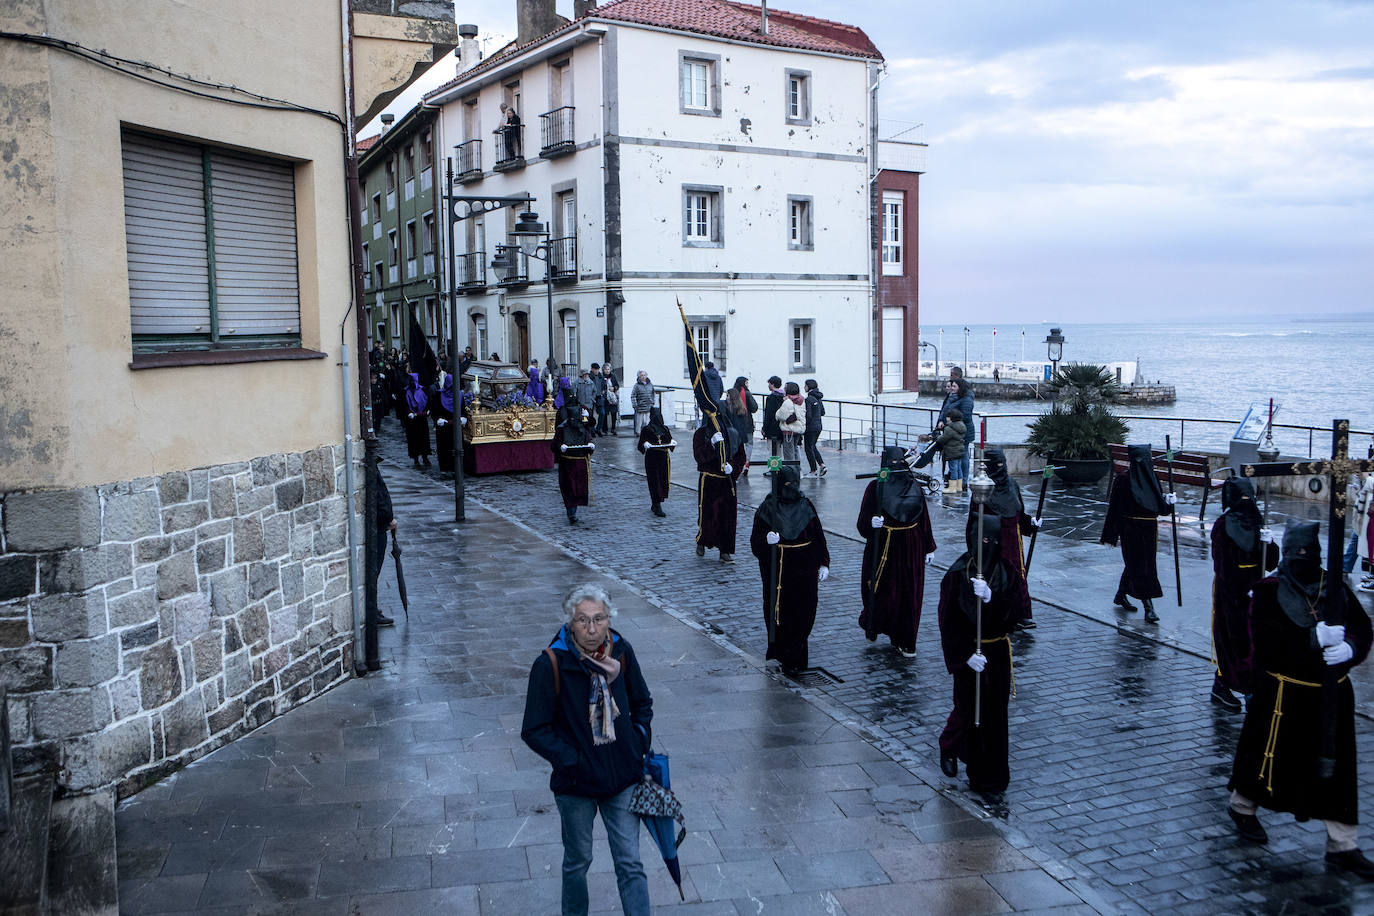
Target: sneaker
1367 585
1223 697
822 471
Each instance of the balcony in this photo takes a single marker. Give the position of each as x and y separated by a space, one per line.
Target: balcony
557 132
510 147
563 259
472 270
470 161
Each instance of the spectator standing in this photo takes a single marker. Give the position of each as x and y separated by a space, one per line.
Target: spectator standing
791 417
612 416
771 402
959 396
715 386
510 130
386 523
641 400
815 409
588 712
744 418
950 441
599 416
584 390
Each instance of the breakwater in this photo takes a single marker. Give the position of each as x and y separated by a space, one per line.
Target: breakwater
1039 391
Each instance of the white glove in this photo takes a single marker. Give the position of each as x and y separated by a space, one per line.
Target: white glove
929 557
591 446
411 416
563 448
1036 522
1335 655
1329 636
672 443
823 573
876 521
465 421
1170 498
772 537
1267 535
717 439
727 468
977 661
441 422
981 589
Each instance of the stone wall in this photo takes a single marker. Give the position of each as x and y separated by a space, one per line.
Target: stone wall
146 622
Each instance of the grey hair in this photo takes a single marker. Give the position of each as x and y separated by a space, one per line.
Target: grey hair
587 591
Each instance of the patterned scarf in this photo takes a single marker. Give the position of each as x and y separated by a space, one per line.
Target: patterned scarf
601 707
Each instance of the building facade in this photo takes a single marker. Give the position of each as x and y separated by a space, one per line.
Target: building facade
677 153
901 162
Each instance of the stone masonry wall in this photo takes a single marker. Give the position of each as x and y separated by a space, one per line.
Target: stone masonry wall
146 622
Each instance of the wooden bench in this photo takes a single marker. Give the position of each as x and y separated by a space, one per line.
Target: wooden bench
1190 469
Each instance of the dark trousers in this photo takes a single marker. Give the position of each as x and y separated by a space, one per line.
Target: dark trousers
601 415
813 456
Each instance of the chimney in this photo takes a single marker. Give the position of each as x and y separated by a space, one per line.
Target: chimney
763 26
387 120
583 7
534 19
469 51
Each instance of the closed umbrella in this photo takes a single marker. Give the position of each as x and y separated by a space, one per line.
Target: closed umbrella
659 808
400 576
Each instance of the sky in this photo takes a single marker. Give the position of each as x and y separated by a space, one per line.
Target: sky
1097 161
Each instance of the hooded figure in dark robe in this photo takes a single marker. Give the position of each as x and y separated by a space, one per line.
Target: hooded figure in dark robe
381 393
1006 503
1239 559
1277 758
535 389
445 424
572 449
655 442
982 748
1134 504
719 457
564 394
793 560
417 420
897 541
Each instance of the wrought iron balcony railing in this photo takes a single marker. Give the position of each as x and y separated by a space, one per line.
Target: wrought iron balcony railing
557 132
563 258
510 148
472 269
470 160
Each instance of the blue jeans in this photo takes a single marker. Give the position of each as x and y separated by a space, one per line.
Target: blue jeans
956 468
1352 553
622 830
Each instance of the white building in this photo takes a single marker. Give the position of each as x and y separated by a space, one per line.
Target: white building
677 151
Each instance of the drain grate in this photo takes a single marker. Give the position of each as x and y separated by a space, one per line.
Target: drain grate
816 677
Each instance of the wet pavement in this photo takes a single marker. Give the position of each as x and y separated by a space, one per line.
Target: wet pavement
819 799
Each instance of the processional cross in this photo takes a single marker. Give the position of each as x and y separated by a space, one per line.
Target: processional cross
1337 469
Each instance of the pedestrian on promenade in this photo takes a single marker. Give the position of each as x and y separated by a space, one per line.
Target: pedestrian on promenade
791 417
964 595
744 417
572 449
588 712
641 400
1277 758
585 391
386 523
1006 503
815 409
949 439
444 410
1241 551
417 421
789 542
1134 503
898 542
655 442
717 503
771 402
1364 531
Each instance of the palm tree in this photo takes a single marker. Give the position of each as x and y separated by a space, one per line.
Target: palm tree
1079 425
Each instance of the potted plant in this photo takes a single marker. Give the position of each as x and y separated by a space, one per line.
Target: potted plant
1079 426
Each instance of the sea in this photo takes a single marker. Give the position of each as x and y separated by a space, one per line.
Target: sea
1314 369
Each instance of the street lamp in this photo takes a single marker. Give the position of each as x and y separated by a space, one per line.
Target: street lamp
1054 344
924 344
533 242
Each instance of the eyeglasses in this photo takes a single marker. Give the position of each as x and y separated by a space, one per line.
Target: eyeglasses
597 621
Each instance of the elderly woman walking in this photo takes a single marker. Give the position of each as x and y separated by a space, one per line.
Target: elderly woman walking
641 399
587 712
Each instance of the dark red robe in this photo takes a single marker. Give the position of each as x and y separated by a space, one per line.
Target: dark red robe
574 472
1014 529
717 504
893 576
789 570
1235 572
658 467
1137 531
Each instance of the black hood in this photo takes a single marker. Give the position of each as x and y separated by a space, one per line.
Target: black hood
786 510
900 496
570 421
994 570
1145 489
1006 498
1240 513
1302 581
657 428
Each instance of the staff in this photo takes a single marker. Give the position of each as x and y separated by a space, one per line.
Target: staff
980 487
1173 518
1040 507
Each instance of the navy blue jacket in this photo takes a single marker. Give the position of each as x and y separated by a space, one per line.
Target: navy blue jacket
557 727
965 406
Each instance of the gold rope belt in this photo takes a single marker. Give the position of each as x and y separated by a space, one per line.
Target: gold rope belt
701 492
887 541
1010 669
777 588
1270 745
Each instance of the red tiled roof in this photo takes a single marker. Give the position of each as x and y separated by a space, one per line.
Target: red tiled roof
366 143
716 18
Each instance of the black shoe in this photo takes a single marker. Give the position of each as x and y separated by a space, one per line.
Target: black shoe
426 460
949 765
417 462
1150 615
1026 624
572 516
1223 697
727 557
658 510
1123 602
1250 829
701 551
1353 861
385 621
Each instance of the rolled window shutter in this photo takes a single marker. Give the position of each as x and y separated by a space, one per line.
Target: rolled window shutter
164 227
255 246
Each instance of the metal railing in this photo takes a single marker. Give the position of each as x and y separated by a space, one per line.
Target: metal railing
869 425
519 272
469 160
563 258
472 269
556 131
510 147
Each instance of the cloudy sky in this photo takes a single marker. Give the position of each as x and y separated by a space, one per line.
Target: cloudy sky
1173 158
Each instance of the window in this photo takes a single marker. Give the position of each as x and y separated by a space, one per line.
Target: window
432 322
894 325
799 224
470 123
699 83
708 336
429 233
395 324
390 176
479 335
379 274
367 275
570 355
394 247
701 217
702 333
800 334
408 162
892 233
377 207
211 246
411 247
426 150
797 94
